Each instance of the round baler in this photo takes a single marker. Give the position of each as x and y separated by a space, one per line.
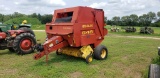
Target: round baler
76 31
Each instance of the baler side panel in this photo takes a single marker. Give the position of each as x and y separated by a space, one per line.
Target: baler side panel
99 17
60 30
76 35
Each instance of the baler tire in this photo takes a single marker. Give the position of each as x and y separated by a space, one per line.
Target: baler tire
11 49
154 71
100 52
58 53
18 41
89 59
159 52
27 30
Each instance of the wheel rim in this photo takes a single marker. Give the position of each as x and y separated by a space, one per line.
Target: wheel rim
26 44
90 59
103 54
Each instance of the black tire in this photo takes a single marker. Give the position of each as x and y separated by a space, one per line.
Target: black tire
18 41
99 50
27 30
58 53
154 71
159 52
89 59
11 49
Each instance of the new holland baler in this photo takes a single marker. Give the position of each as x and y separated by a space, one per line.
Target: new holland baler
75 31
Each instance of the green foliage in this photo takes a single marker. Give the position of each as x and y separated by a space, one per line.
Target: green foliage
38 27
156 24
135 20
32 21
156 60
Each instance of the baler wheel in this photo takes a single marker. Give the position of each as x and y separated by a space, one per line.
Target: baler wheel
23 43
89 59
100 52
58 52
159 52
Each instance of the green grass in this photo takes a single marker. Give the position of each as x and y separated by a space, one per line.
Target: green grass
128 58
38 27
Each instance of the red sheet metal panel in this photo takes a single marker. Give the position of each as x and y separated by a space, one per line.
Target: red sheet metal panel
2 35
85 24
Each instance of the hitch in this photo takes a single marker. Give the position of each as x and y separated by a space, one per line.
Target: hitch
51 45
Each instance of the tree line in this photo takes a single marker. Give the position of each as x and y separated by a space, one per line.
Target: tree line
42 18
149 19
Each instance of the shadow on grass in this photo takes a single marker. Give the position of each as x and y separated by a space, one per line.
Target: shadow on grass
7 53
59 59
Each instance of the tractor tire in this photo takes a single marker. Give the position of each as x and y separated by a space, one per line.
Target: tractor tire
27 30
11 49
23 43
100 52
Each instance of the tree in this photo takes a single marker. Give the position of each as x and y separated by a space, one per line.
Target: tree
39 17
1 18
133 19
116 20
125 20
105 20
34 15
144 20
158 14
46 18
152 16
16 15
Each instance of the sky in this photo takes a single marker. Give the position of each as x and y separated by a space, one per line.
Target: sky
111 7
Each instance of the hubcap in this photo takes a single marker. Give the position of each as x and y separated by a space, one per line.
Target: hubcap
90 59
103 54
26 44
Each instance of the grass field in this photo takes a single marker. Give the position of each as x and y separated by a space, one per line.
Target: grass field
128 58
38 27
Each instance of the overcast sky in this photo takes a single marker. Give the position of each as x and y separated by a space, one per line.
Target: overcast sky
111 7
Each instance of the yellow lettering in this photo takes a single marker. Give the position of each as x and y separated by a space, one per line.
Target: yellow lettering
87 26
87 32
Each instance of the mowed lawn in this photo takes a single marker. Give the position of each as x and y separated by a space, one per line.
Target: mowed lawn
128 58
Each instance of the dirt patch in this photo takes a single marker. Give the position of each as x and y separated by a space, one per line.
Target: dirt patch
39 30
76 75
140 37
8 71
94 66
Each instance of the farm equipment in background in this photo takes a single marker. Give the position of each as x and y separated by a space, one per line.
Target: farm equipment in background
115 29
130 29
24 26
75 31
15 39
146 30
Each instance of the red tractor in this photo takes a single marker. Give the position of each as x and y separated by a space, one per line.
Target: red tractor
75 31
20 41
